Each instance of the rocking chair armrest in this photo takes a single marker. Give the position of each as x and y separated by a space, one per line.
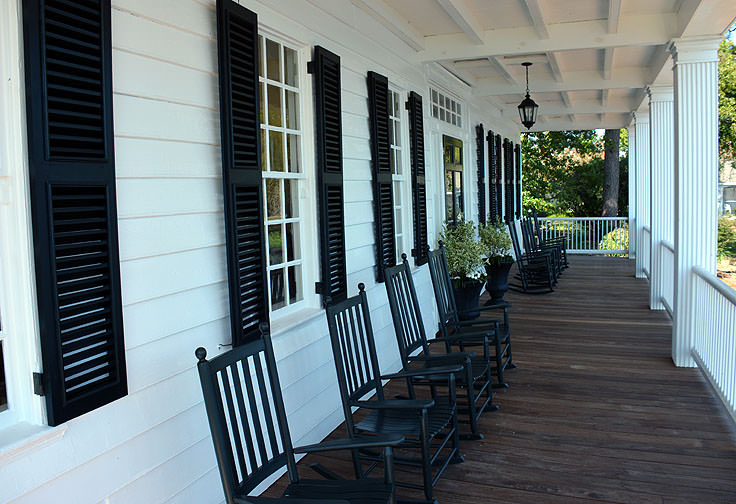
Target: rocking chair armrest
452 357
434 370
354 443
394 404
456 338
479 322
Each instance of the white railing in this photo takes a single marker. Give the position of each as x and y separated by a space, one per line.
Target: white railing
589 235
667 269
714 334
645 246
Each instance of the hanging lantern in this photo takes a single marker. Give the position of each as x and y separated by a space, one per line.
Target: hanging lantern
528 107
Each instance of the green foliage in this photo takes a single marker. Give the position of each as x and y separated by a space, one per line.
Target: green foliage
727 99
726 237
496 242
463 250
563 172
618 239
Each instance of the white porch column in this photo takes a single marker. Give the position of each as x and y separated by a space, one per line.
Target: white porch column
662 186
632 194
641 154
696 175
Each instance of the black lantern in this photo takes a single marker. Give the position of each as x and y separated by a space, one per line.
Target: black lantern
528 107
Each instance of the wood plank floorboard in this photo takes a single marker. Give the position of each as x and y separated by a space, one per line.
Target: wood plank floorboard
596 411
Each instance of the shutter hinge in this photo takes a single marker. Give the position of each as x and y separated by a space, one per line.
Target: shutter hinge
310 67
318 287
38 384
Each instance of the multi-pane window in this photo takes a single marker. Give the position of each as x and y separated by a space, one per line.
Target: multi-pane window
446 109
453 161
283 173
397 169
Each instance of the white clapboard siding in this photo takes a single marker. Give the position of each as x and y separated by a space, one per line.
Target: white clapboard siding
150 158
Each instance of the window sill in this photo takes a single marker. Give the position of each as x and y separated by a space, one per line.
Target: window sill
22 437
286 323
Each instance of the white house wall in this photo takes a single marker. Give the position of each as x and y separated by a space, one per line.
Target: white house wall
153 446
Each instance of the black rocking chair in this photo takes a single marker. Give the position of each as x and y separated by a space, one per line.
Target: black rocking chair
475 378
556 241
496 330
429 425
532 247
248 423
536 273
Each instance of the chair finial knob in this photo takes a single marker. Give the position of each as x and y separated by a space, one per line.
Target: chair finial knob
361 287
403 257
264 328
201 353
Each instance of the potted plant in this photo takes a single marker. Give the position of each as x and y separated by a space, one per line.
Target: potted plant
464 253
497 244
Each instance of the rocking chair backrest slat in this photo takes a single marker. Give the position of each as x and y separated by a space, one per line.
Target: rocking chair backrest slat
514 239
442 284
402 299
246 414
354 350
537 227
528 244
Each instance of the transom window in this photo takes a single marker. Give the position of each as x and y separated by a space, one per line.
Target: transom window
283 173
397 169
446 109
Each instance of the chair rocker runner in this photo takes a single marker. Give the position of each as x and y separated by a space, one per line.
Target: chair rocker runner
429 425
475 378
248 423
536 273
496 330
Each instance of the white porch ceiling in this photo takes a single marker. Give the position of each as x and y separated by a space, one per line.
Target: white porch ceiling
593 59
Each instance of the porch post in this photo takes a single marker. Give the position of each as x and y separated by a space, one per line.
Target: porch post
632 194
641 154
662 186
696 175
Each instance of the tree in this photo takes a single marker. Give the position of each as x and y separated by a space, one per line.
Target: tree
612 140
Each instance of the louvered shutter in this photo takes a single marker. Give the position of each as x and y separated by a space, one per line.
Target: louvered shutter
508 155
73 204
498 157
325 69
492 193
418 185
383 205
237 46
517 178
480 159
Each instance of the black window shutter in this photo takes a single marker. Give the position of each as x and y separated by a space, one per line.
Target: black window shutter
492 190
508 151
73 204
383 208
517 158
325 70
498 157
237 47
480 159
418 186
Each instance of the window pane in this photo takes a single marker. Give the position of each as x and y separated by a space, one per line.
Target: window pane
273 60
442 114
458 109
261 61
292 242
292 110
276 150
278 294
295 284
434 96
274 106
3 391
264 147
397 107
273 198
293 152
275 244
397 221
291 198
263 102
434 111
291 67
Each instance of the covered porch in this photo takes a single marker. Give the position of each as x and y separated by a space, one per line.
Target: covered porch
596 411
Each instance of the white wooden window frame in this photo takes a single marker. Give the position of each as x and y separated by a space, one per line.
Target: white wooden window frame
401 181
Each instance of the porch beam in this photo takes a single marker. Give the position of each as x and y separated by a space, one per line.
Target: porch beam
503 69
554 66
607 62
623 106
604 96
634 30
464 18
393 21
574 81
566 98
614 15
535 13
610 121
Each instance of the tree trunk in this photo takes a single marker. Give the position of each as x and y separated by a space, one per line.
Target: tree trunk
611 173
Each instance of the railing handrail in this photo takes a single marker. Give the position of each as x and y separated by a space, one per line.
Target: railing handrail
668 246
717 284
583 218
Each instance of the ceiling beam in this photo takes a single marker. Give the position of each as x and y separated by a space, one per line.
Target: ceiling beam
614 15
610 121
554 66
604 97
503 69
566 99
639 30
393 21
574 81
535 12
607 62
622 106
464 18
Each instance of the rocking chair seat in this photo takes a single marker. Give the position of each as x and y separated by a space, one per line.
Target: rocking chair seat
364 491
406 421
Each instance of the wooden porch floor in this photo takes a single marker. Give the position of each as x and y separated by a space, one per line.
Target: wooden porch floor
596 411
